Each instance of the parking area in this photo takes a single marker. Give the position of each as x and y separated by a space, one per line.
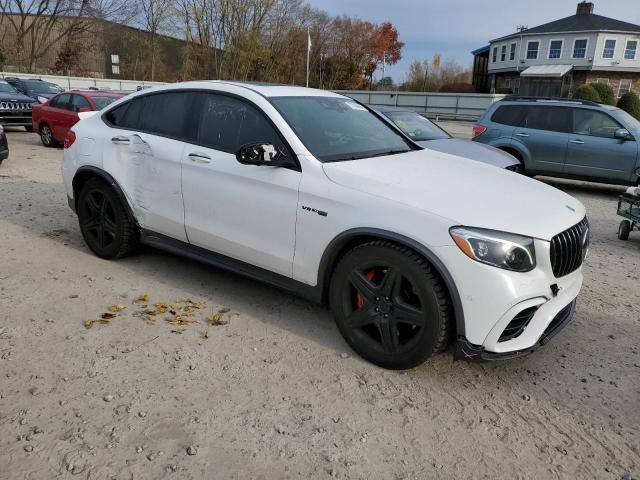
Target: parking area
229 378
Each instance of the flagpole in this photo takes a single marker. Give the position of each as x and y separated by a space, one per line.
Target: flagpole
308 54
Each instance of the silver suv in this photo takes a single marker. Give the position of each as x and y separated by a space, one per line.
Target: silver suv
565 138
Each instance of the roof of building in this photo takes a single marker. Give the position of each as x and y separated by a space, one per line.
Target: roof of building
580 23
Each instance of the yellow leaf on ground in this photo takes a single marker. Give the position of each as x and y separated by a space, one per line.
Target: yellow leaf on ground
205 335
142 299
116 308
161 307
107 316
88 324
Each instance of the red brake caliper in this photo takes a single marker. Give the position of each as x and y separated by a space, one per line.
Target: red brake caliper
369 276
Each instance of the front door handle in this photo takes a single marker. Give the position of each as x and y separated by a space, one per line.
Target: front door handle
520 134
120 139
578 142
199 157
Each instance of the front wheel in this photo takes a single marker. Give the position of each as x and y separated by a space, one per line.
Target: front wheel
389 305
104 221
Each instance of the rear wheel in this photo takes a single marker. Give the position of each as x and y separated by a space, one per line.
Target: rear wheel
46 136
104 221
389 305
624 229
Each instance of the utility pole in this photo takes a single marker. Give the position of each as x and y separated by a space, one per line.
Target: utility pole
308 53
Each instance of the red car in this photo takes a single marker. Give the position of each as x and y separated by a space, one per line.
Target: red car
53 119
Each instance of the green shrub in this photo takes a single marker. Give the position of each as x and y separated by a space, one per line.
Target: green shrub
587 92
606 93
630 103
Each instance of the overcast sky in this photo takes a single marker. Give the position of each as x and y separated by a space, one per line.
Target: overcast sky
454 28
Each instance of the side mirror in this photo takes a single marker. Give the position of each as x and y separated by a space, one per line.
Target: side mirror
262 154
84 109
623 134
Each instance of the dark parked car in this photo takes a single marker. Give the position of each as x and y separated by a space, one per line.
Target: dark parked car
15 108
565 138
54 119
35 88
4 145
429 135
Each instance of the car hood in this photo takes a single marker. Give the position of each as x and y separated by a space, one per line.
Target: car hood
464 191
18 97
471 150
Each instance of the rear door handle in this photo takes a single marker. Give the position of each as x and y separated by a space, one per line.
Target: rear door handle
120 139
520 134
199 157
578 142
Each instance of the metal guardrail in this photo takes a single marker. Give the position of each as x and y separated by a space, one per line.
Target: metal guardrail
439 106
85 82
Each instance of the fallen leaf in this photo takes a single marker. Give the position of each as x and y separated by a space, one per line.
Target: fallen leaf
178 331
142 299
107 316
216 319
116 308
161 307
88 324
103 321
127 349
224 310
205 335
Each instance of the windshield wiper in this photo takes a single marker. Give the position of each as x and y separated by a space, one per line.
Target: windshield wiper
388 152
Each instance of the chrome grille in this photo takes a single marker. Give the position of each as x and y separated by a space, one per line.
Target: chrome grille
569 248
15 106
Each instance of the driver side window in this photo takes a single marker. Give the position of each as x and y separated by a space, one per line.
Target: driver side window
596 124
227 124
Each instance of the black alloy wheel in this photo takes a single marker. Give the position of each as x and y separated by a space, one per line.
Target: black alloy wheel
104 221
389 305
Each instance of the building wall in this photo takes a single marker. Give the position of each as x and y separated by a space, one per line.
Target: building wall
612 79
618 60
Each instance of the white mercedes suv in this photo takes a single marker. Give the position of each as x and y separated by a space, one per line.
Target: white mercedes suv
313 192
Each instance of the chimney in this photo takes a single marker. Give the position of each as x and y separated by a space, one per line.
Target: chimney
584 8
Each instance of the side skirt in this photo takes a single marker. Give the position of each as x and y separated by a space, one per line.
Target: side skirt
208 257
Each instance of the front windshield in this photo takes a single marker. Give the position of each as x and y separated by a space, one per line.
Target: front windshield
336 129
629 122
6 88
34 86
417 127
102 102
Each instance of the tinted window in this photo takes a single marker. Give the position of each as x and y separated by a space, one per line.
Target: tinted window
78 102
556 119
227 123
62 101
168 114
126 115
338 128
512 115
591 122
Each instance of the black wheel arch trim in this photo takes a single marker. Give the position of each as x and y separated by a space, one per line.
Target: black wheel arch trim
108 179
330 259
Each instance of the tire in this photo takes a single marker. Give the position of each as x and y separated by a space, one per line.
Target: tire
624 229
105 223
399 313
46 136
28 128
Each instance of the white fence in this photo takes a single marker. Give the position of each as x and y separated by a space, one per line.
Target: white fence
85 82
457 106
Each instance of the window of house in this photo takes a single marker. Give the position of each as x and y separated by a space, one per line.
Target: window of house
609 49
532 50
503 53
604 81
625 87
555 48
580 48
630 50
512 52
495 54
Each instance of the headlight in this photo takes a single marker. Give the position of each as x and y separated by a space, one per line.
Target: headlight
499 249
42 99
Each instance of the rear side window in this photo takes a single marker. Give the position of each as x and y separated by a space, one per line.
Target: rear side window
512 115
115 115
227 123
169 114
555 119
78 102
62 101
126 115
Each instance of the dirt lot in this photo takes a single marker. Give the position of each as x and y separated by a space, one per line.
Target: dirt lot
275 392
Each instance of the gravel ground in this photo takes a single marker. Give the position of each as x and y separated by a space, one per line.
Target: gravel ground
263 387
